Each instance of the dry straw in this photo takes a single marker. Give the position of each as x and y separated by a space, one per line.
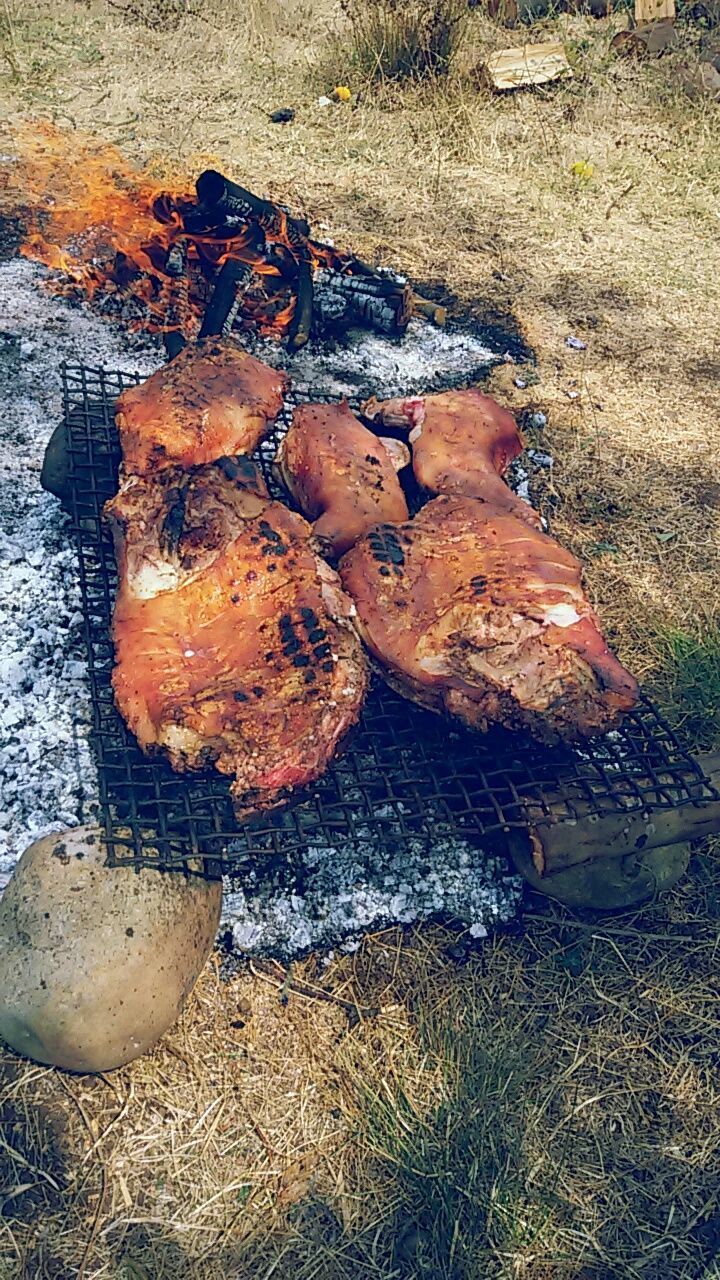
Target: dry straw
307 1139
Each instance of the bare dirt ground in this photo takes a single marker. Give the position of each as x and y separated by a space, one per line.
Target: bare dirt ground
545 1106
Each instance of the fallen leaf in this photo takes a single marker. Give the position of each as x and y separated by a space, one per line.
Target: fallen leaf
666 537
297 1180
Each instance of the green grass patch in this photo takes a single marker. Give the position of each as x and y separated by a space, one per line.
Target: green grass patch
688 684
467 1202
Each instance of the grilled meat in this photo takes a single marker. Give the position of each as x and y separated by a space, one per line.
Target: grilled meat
462 444
233 641
213 400
470 611
342 475
169 526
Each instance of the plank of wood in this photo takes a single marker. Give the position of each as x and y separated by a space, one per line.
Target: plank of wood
654 10
528 64
564 843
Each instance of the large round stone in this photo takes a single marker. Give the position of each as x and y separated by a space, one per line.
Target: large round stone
96 962
605 884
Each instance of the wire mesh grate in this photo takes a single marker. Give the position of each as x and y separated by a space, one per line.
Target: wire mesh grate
405 774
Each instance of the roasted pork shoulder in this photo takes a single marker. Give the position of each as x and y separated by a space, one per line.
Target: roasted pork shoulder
168 526
233 641
462 444
342 476
470 611
213 400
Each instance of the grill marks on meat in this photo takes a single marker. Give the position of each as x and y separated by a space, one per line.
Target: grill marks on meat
341 475
248 662
462 444
470 611
213 400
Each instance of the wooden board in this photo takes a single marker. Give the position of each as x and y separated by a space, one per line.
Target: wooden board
654 10
528 64
562 844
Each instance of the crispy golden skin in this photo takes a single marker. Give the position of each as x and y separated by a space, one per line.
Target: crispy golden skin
342 476
247 661
462 444
213 400
470 611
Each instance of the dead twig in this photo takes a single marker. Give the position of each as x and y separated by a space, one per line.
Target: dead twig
285 983
618 199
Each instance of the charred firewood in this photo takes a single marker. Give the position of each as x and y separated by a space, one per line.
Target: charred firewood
217 193
174 343
176 267
374 302
231 285
301 324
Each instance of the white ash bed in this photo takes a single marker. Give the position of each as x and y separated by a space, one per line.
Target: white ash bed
47 772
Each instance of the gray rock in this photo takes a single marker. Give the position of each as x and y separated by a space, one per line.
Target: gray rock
96 962
55 474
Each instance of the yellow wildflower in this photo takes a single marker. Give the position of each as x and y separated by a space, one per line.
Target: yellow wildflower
583 170
342 93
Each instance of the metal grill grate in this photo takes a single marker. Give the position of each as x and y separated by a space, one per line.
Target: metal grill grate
406 774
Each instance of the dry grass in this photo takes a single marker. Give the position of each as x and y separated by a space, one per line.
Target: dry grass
547 1109
454 185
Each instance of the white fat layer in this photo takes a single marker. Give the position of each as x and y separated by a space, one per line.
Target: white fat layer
560 615
182 741
398 452
152 579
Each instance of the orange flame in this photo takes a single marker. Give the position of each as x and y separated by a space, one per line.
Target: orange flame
106 230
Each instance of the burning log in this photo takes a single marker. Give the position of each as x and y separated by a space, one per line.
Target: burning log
301 323
375 302
231 285
217 193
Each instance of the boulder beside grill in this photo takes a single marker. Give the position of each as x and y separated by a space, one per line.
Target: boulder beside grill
96 962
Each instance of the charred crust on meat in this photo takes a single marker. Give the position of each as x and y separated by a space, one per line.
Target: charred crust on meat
385 545
174 522
238 468
274 543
